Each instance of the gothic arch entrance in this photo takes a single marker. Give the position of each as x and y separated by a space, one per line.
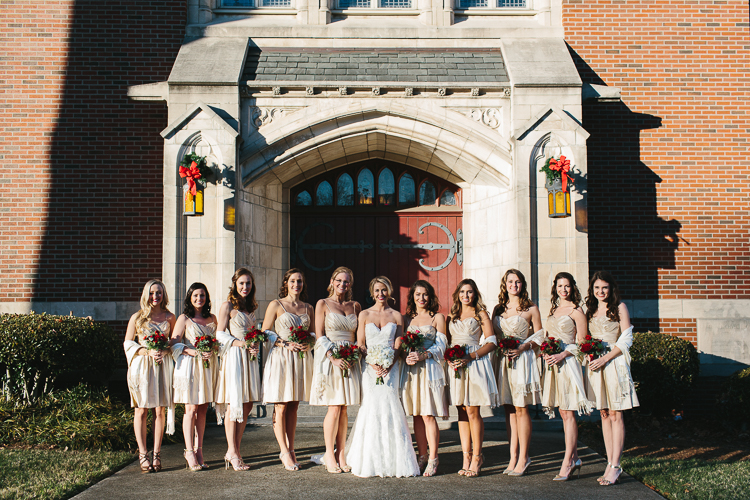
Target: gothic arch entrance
378 218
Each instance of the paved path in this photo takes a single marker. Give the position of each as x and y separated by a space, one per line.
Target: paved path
268 479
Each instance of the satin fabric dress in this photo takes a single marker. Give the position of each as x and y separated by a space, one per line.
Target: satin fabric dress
149 383
239 376
195 384
520 383
423 385
329 385
558 390
476 385
612 386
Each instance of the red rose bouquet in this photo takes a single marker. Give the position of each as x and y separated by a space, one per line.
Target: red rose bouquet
591 347
253 337
453 354
413 342
156 341
205 343
347 352
550 347
507 344
301 336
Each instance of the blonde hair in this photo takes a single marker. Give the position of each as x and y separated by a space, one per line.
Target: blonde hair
385 281
338 271
144 314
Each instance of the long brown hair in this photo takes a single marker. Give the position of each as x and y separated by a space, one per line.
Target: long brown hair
478 303
238 301
575 296
433 304
338 271
144 314
503 298
188 309
613 300
284 289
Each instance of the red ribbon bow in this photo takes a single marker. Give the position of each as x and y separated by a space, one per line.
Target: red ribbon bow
563 166
192 174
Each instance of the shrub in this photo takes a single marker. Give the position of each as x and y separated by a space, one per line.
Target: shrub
735 398
42 352
664 369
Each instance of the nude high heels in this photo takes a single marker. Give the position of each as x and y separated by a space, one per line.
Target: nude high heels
576 467
522 473
191 468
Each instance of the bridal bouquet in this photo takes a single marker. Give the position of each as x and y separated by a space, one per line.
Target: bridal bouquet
591 347
254 337
550 347
413 342
508 344
381 355
455 353
205 343
156 341
301 336
347 352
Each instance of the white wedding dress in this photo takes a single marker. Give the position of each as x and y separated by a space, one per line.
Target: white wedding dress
380 442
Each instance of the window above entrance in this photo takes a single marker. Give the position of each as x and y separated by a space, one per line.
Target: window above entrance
376 185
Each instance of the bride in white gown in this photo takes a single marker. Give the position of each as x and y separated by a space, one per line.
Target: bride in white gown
380 442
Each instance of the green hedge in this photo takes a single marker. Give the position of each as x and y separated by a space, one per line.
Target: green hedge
735 398
42 352
664 369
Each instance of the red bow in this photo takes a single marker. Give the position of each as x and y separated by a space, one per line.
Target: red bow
192 174
563 166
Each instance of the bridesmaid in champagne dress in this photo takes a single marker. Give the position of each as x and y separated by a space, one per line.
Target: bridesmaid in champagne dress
194 382
608 377
423 391
239 372
516 317
469 325
150 371
287 374
563 387
336 326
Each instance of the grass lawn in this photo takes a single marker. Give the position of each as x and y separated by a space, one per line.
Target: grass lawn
55 474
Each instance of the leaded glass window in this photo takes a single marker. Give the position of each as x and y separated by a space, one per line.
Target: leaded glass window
303 199
386 187
355 4
366 187
427 194
324 195
406 192
345 191
448 198
395 4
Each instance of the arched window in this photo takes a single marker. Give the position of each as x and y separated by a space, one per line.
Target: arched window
324 195
448 198
406 193
365 187
386 187
345 191
427 193
303 199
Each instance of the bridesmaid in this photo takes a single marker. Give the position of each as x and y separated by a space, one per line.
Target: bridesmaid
563 381
608 378
469 325
194 382
287 376
516 316
423 379
239 373
336 326
150 371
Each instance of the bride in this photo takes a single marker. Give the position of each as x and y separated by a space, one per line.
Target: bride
380 443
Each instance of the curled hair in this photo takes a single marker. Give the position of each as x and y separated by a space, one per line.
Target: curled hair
144 314
477 303
188 309
284 289
433 304
238 302
575 296
503 298
385 281
613 299
338 271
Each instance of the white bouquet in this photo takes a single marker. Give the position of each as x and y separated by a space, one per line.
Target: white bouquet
381 355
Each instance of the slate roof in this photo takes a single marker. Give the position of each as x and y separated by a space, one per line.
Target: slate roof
376 65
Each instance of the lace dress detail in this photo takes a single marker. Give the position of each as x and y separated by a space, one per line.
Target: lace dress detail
329 386
193 383
239 376
520 385
149 383
421 393
380 442
477 385
286 376
559 391
612 386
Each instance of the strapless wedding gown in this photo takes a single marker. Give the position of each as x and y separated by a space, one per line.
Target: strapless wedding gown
380 442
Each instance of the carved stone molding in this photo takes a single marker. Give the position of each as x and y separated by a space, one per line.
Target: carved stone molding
490 117
260 116
409 91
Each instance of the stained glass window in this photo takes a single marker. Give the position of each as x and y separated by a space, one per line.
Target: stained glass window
448 198
303 199
324 195
386 187
345 191
427 193
365 187
406 191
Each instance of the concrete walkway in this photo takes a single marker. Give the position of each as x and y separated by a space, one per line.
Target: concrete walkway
268 479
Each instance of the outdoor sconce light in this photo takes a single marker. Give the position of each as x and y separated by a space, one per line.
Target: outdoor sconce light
194 170
558 192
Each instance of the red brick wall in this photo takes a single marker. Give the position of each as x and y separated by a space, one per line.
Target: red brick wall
80 193
668 183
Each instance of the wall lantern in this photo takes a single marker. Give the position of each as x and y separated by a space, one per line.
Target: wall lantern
194 170
558 192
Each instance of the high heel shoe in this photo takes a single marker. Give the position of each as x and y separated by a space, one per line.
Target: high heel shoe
292 467
599 479
236 463
294 458
144 463
422 462
156 456
607 482
462 472
431 468
192 468
571 470
475 473
522 473
203 464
